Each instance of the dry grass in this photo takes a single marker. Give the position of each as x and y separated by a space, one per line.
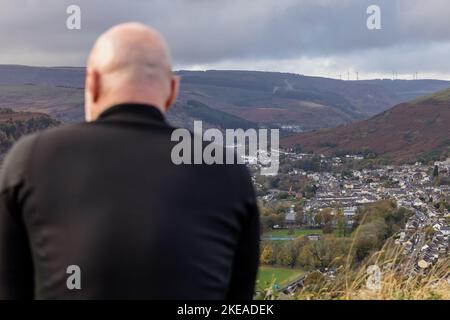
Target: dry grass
397 279
396 282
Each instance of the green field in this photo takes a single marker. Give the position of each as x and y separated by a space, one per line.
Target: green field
281 275
297 233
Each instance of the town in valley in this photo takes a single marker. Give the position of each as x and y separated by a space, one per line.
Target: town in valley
315 196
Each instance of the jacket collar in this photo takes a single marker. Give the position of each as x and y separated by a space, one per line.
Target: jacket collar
134 112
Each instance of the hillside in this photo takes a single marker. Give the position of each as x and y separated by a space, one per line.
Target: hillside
418 130
64 104
13 125
306 103
239 97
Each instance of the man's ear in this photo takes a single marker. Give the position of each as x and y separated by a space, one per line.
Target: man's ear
174 88
93 84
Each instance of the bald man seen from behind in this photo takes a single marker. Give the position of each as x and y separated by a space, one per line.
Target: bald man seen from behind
98 210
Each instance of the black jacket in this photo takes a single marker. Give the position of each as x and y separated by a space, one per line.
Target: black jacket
106 197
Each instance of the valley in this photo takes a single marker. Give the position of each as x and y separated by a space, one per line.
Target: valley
225 99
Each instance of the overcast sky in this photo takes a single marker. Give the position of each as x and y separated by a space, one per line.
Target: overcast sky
312 37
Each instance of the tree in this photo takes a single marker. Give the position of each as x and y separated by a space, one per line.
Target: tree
429 231
267 256
318 218
321 254
370 237
341 224
327 227
304 258
327 221
435 172
289 254
300 215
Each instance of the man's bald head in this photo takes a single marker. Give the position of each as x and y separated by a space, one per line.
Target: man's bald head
129 63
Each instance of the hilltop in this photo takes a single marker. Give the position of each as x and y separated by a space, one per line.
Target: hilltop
225 99
417 130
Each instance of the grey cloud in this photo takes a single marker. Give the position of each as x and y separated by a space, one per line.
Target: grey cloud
206 32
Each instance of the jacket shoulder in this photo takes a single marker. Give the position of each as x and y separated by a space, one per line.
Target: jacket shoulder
16 160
